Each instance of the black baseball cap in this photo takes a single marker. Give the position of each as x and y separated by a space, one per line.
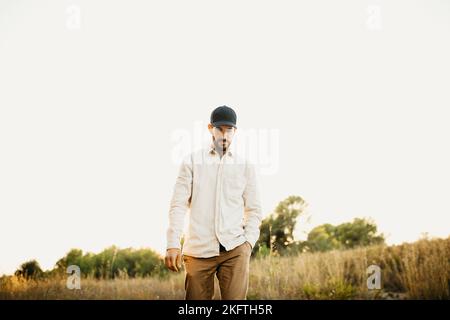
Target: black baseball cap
223 116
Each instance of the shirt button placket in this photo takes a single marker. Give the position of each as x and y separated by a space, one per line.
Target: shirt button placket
218 199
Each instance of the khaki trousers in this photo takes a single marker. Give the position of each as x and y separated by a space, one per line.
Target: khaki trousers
231 268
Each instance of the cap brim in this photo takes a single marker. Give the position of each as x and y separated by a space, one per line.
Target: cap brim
223 123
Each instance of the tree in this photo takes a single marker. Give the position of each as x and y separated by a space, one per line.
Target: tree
322 238
276 231
29 270
359 232
113 262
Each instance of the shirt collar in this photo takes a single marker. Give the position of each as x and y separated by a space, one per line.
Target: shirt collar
212 150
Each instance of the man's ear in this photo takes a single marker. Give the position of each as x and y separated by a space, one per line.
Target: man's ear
210 127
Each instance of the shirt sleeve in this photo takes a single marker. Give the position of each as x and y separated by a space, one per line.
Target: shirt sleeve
180 203
252 206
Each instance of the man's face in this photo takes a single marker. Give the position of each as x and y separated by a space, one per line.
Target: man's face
222 136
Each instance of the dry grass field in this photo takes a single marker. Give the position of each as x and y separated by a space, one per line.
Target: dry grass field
418 270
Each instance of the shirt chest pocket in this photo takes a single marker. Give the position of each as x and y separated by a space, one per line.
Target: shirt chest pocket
234 185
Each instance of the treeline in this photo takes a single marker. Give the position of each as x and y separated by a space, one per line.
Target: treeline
276 236
110 263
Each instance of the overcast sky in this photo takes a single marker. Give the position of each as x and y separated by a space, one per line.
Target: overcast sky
345 102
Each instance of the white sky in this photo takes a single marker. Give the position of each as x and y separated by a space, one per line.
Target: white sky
356 91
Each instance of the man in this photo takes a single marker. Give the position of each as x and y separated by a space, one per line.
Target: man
222 193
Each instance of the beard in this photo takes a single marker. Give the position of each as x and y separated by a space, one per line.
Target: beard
221 144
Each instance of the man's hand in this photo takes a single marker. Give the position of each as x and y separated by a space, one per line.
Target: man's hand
173 259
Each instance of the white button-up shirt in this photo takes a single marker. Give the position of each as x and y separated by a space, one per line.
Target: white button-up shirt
221 195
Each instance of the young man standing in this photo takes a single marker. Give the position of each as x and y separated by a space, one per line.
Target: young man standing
221 191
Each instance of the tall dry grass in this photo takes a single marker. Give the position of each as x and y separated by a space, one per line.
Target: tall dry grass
412 271
420 270
93 289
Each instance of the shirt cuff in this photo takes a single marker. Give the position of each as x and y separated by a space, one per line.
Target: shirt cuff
251 241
